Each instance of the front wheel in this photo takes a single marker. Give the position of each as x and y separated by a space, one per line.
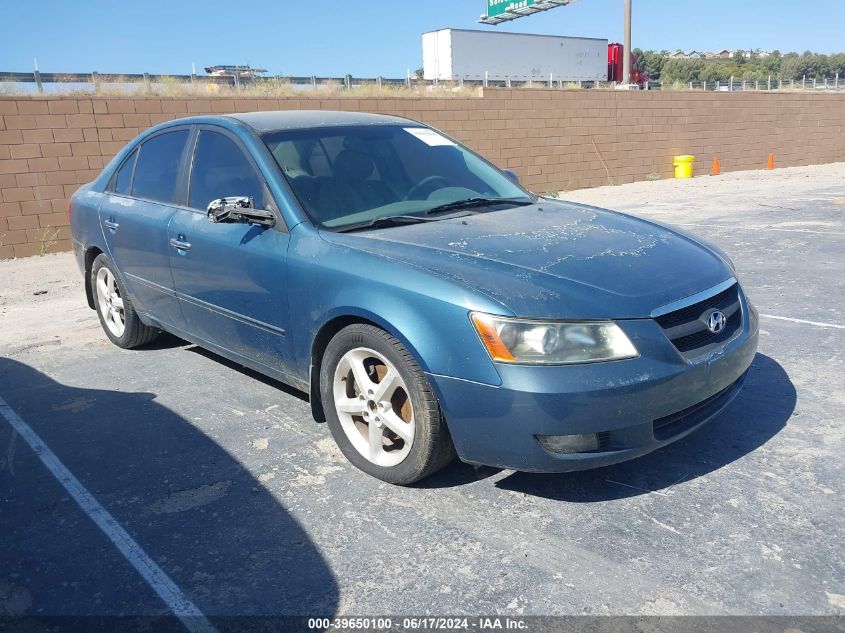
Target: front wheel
380 408
117 315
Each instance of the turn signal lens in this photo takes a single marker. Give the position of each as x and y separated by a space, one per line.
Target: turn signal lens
551 342
491 337
69 209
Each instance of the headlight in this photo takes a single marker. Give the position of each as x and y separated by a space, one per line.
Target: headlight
551 343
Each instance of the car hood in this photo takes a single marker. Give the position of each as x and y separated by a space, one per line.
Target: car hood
555 259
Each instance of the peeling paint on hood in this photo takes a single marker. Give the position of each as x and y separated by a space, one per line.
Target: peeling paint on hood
555 259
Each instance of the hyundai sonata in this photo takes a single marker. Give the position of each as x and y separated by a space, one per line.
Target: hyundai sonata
427 303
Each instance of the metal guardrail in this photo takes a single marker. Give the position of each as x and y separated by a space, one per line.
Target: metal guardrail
94 81
771 83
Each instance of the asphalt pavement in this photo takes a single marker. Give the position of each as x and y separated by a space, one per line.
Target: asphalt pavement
223 480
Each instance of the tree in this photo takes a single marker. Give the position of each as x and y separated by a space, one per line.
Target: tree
711 73
654 64
808 65
789 66
681 70
836 65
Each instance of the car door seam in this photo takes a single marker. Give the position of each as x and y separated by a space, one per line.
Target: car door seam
273 329
150 284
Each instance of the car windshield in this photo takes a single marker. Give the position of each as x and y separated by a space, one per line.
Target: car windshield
349 176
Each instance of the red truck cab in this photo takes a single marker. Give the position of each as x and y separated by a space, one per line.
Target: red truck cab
615 51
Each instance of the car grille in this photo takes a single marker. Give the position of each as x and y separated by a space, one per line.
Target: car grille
676 423
687 326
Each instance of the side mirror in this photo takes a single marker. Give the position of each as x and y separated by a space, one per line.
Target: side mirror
238 209
511 175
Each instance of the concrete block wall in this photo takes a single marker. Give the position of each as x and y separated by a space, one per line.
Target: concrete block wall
554 140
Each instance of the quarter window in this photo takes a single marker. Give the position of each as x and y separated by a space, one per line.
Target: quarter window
123 180
158 166
221 170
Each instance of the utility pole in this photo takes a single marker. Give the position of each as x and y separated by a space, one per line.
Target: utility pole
626 52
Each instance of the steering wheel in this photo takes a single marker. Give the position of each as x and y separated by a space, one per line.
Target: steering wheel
426 182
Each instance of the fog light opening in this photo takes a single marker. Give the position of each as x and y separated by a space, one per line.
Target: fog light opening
582 443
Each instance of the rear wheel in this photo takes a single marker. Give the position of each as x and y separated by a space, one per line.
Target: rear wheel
117 315
380 407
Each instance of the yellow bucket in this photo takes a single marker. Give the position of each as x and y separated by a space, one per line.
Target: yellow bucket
683 166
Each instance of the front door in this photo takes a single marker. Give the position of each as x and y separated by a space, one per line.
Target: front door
138 206
231 278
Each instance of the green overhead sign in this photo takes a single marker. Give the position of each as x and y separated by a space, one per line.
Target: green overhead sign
500 7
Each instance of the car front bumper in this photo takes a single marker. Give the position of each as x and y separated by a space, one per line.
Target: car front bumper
636 406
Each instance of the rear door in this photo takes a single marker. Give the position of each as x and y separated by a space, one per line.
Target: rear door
138 206
231 279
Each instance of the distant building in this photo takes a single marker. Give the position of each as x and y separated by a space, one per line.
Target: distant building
679 54
723 54
234 71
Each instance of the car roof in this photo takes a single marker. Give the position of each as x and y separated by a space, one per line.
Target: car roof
303 119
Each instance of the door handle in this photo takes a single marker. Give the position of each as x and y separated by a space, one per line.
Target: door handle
111 225
180 244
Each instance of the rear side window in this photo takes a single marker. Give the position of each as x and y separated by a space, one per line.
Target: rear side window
221 170
123 180
158 166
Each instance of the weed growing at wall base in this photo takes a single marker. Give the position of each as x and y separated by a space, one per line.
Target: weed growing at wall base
47 238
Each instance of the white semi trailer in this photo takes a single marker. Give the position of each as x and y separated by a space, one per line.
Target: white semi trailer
452 54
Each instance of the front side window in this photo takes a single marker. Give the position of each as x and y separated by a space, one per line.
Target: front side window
221 170
348 175
158 166
123 180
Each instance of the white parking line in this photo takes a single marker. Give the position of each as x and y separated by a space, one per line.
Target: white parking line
804 321
192 618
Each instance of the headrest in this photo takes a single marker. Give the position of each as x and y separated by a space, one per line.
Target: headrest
352 165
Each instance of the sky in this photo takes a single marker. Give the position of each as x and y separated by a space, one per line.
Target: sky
367 38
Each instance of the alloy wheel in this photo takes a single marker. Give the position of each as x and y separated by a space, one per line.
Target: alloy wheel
110 302
374 406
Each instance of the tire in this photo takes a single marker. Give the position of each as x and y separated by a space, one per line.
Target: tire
115 309
369 430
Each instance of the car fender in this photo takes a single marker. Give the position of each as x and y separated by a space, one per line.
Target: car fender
429 315
421 327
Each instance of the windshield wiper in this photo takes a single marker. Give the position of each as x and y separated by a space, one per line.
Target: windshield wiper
395 220
469 203
388 220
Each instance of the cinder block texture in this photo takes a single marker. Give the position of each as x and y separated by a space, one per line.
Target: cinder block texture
554 139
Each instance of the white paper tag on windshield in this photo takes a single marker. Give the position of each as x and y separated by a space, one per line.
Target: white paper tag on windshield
427 136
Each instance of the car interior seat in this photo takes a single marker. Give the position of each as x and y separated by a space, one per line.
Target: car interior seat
352 189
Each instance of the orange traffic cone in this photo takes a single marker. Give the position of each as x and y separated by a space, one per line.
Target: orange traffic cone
771 164
716 170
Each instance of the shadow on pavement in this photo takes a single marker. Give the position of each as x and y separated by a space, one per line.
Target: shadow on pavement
193 508
456 474
246 371
758 413
165 340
